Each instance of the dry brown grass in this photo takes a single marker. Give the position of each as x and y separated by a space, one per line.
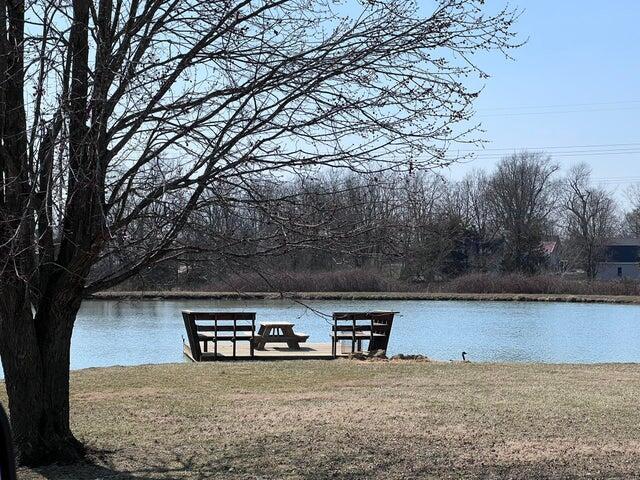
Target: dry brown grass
371 280
537 284
347 280
349 419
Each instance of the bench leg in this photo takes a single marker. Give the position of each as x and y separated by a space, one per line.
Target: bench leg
293 345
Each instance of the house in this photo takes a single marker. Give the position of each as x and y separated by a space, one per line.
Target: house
551 250
621 260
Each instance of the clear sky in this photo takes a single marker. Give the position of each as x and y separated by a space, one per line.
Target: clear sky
575 84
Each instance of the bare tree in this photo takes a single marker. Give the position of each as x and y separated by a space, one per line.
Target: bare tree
523 196
425 247
632 217
121 118
472 197
589 218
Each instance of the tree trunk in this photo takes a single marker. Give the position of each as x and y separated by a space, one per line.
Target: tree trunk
35 358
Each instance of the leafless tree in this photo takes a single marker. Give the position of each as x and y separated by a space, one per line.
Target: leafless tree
589 218
119 119
423 196
523 195
472 197
632 217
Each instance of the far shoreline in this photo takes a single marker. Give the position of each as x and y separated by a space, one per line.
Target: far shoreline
433 296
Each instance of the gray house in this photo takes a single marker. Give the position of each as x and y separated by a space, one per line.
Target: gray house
621 260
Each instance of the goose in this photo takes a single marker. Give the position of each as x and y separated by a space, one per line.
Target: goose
464 359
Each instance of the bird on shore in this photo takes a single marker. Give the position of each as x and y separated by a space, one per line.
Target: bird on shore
464 359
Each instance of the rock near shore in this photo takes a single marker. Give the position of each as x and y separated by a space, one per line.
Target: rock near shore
402 356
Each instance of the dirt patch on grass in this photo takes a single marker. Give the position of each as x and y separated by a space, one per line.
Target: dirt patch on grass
349 419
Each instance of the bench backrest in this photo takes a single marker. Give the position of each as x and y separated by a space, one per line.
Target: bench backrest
197 322
375 322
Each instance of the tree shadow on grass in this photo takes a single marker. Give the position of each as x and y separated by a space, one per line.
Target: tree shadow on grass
85 470
344 465
99 465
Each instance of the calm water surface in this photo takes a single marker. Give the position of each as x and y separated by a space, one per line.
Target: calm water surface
138 332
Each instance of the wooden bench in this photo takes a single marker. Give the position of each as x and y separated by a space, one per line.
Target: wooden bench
214 327
356 327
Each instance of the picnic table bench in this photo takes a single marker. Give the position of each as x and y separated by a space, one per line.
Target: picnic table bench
278 332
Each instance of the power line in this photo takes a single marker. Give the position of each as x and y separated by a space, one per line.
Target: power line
612 150
561 105
469 156
514 149
566 154
555 112
623 177
618 181
571 152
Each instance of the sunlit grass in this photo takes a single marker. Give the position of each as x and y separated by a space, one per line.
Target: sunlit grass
350 419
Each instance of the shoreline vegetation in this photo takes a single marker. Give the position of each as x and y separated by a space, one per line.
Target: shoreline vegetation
372 284
354 419
433 296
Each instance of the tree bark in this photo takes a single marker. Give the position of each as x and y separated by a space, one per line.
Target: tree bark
38 350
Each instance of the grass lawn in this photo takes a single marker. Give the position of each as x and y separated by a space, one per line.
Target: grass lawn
350 419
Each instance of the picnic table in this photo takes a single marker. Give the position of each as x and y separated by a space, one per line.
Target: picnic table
279 332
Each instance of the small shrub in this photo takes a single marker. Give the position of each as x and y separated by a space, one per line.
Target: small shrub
353 280
372 280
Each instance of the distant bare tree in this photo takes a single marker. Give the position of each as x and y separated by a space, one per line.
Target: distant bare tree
472 196
589 218
120 119
423 196
632 217
522 193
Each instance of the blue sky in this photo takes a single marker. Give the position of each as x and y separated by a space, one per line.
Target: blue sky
575 83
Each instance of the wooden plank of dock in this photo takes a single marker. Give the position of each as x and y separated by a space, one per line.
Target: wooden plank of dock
316 351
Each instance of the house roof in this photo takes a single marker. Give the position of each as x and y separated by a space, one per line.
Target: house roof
549 246
620 242
622 253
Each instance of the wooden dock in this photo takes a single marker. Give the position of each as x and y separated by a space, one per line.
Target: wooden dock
308 351
233 336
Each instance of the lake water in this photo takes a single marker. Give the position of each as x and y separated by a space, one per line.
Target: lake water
138 332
